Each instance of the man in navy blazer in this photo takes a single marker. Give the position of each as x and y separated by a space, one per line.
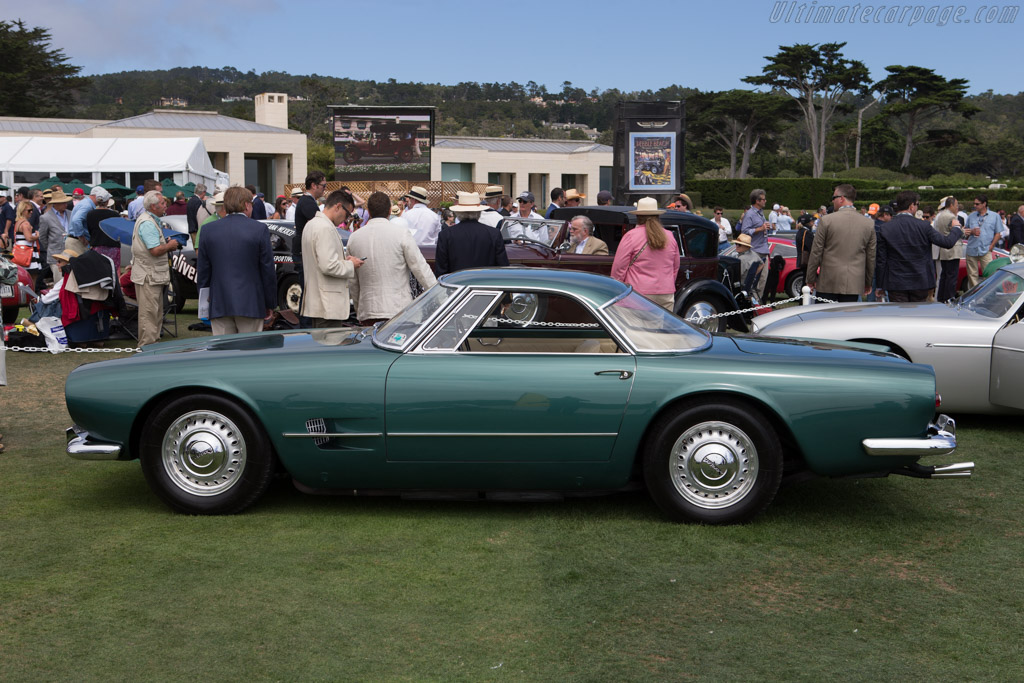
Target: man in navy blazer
236 262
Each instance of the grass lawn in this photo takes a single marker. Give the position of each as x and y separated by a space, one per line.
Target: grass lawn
869 580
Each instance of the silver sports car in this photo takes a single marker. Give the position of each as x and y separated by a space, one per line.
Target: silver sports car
975 343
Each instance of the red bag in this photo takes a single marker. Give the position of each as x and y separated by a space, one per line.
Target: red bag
22 255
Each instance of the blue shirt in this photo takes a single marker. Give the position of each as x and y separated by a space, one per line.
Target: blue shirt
149 232
78 228
978 245
752 219
135 208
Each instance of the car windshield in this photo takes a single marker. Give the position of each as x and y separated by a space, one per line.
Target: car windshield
395 333
995 296
530 230
652 328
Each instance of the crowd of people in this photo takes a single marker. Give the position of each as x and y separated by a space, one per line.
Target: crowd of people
902 251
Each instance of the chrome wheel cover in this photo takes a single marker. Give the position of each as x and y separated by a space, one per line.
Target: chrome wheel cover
713 465
523 308
702 309
292 297
203 453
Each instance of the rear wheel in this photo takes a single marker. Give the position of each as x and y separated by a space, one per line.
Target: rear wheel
205 455
698 310
719 463
352 155
289 293
404 154
794 283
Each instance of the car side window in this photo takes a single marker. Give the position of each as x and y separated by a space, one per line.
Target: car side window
538 322
454 330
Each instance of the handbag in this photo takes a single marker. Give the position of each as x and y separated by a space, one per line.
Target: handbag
22 255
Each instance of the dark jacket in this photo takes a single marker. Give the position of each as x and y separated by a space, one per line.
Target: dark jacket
305 209
1016 225
904 253
191 209
469 244
259 210
237 263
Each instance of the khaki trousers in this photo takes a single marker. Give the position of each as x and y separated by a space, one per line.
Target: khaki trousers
974 264
664 300
151 312
236 324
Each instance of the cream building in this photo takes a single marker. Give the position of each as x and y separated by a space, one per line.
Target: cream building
519 164
263 152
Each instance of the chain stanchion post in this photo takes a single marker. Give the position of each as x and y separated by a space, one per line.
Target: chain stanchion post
805 296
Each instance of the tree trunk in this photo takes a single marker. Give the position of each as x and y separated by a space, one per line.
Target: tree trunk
860 123
909 146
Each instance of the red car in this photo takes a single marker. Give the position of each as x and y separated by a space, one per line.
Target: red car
12 298
791 280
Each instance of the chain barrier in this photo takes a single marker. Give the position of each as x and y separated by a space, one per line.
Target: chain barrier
43 349
700 319
537 323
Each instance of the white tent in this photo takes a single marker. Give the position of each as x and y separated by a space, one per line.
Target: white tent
186 158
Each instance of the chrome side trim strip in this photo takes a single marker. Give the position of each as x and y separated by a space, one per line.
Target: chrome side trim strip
1006 348
934 345
501 434
328 435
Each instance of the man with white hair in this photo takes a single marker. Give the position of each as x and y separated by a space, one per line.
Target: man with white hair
424 223
150 272
490 214
78 229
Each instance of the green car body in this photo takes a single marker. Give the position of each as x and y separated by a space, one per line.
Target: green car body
469 418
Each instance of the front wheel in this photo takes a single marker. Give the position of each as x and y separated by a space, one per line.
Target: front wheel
718 463
698 310
352 155
204 455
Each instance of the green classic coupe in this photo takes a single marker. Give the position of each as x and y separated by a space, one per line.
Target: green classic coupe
506 383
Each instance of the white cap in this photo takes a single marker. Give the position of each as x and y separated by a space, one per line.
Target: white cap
775 208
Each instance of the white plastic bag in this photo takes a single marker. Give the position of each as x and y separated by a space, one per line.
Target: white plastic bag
53 332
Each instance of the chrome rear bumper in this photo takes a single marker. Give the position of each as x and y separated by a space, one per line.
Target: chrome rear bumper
941 440
81 448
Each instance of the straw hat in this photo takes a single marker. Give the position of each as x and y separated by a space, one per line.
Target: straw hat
416 192
493 192
296 192
58 197
468 202
573 194
647 206
743 240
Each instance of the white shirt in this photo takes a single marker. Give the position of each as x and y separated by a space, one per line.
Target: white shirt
724 229
424 223
580 245
490 217
531 232
289 215
784 222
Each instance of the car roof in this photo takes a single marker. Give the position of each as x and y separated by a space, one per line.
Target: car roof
595 289
620 215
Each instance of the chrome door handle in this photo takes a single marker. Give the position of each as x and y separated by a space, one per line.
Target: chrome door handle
623 374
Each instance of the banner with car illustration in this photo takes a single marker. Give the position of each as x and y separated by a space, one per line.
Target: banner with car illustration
383 143
651 161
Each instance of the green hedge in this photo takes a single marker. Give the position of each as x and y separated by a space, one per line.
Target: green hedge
796 193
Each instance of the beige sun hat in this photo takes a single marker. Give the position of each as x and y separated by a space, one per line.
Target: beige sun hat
468 202
743 240
573 194
494 192
416 192
647 206
58 197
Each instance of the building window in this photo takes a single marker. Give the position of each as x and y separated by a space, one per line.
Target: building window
456 172
605 181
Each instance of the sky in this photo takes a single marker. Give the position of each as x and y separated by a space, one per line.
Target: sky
600 44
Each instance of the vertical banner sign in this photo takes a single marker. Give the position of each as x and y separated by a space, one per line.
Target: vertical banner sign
649 159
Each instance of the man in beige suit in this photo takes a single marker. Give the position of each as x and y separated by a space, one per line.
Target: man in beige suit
327 271
581 237
842 260
381 287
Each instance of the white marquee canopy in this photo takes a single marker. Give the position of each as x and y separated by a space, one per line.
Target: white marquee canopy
186 158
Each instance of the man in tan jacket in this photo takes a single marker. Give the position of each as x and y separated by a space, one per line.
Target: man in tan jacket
327 271
381 287
842 260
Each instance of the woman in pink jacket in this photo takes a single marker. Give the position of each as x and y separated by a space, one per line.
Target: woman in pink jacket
648 256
